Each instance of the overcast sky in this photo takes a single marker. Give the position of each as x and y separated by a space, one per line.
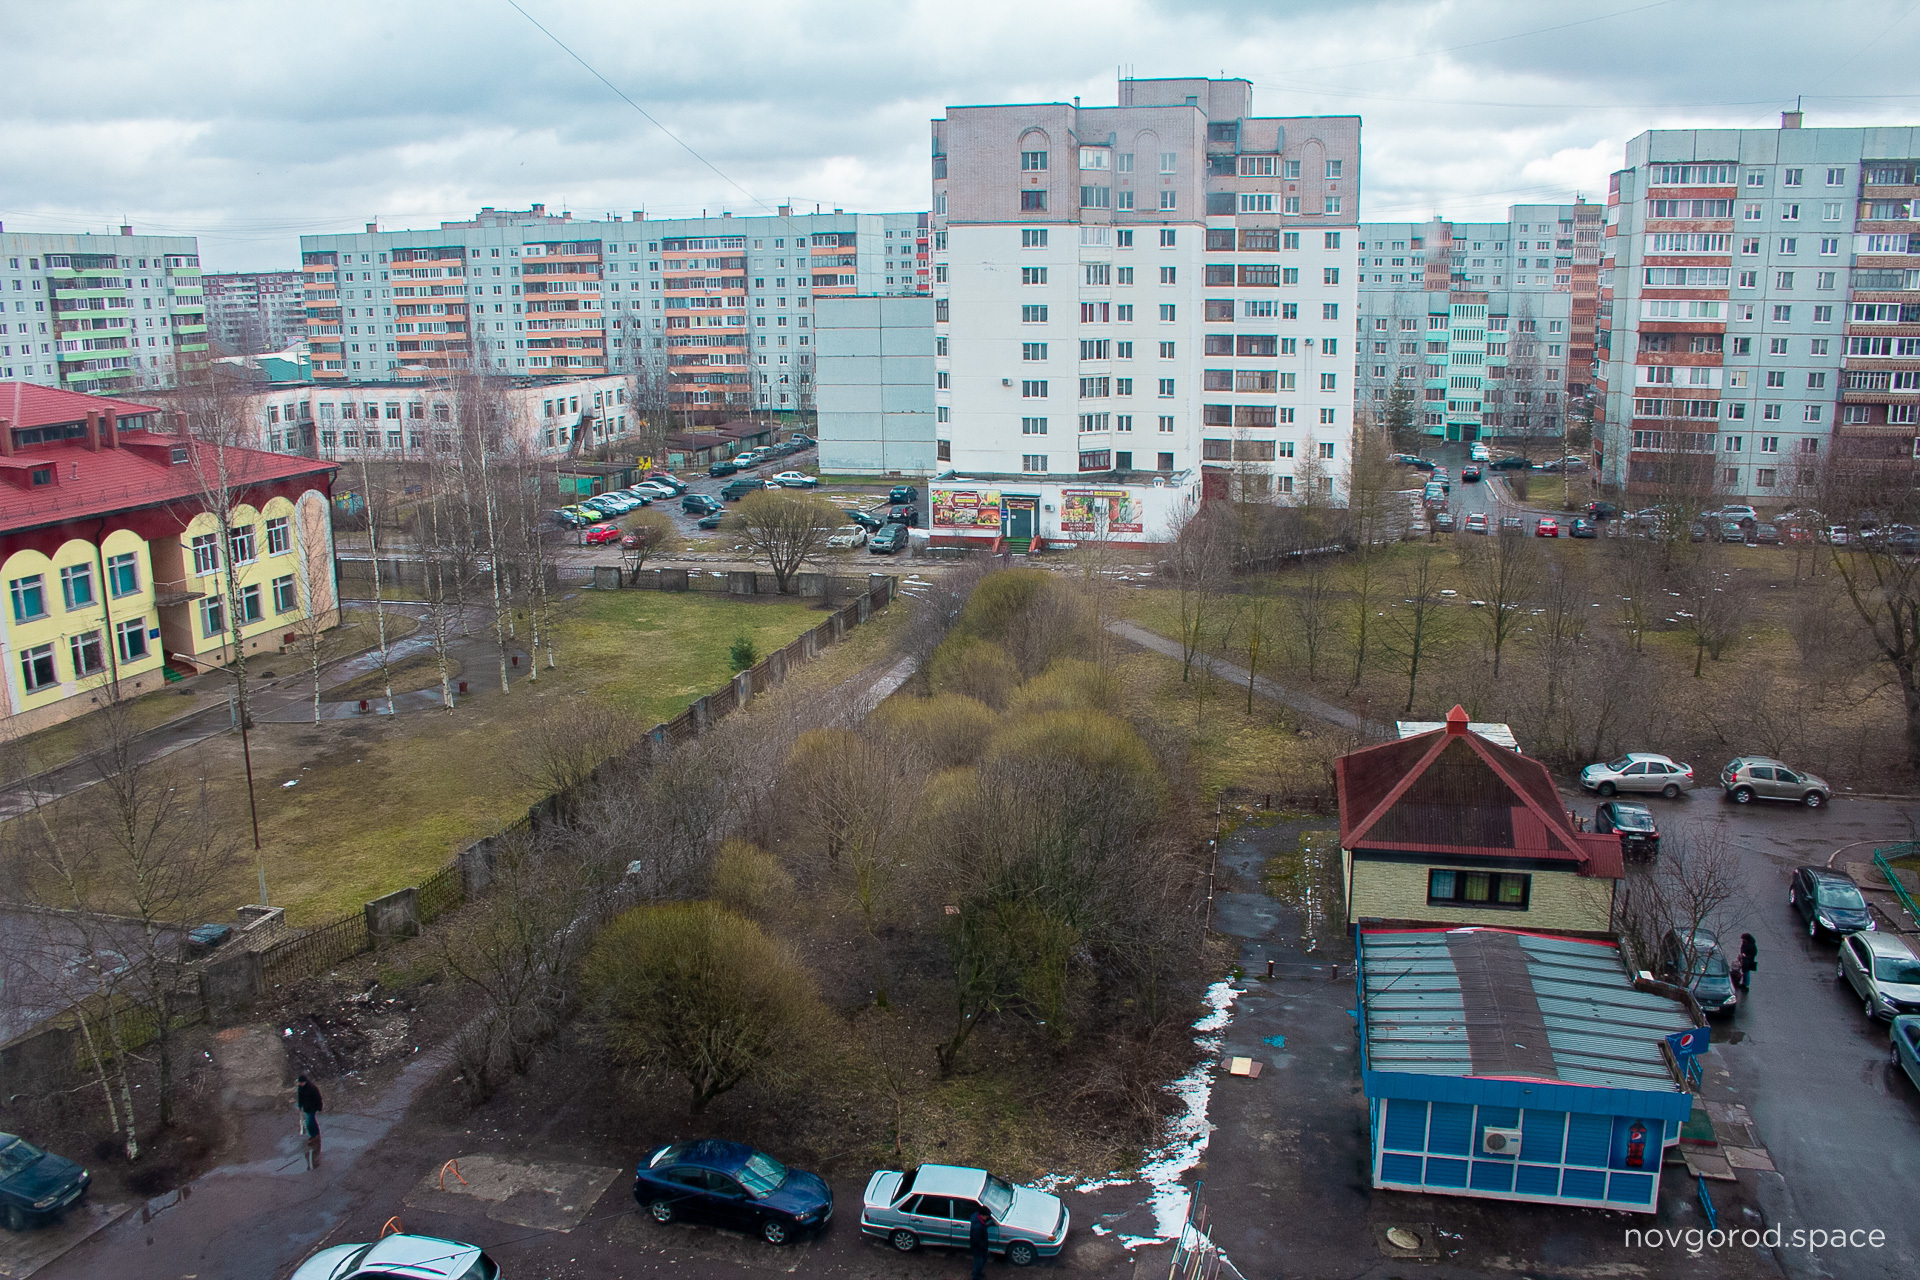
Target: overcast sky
251 123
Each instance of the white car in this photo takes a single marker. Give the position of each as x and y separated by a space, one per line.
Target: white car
935 1204
1479 453
796 480
847 537
400 1255
1638 771
654 489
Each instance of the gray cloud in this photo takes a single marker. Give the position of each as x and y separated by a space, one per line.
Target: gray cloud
249 124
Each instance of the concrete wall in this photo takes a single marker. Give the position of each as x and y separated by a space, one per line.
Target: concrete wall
1560 900
874 393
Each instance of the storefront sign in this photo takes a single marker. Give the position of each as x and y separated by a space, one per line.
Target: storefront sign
966 509
1089 510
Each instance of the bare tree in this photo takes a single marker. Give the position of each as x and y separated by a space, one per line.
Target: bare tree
1560 627
1312 606
1198 563
1716 606
652 533
789 529
1501 572
1881 582
1696 884
1419 626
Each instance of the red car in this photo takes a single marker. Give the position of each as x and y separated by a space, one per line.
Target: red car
1547 528
600 534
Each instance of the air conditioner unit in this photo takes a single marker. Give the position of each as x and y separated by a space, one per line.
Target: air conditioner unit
1500 1142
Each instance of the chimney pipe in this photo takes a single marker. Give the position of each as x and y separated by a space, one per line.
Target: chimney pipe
373 228
639 215
180 422
93 430
6 437
112 429
1790 119
126 229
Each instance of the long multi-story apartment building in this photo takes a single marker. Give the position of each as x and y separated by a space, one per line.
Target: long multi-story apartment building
254 312
717 311
1488 325
1760 305
1144 292
99 313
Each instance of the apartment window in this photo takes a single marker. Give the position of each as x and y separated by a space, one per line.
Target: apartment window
1783 313
1789 213
1505 890
1816 380
1166 388
250 603
1830 211
1792 177
1166 428
1763 477
123 575
1836 177
240 544
1776 346
1167 311
1751 212
29 598
1251 203
1031 314
1123 275
1033 275
1123 351
1333 204
279 536
1829 245
1783 279
1033 238
1124 421
1123 386
1094 388
1122 311
1329 311
130 639
1823 315
1775 377
1290 204
76 585
1033 161
1756 178
1750 246
1169 161
285 598
1166 350
1811 412
1033 201
1123 239
89 658
1168 275
942 380
1169 199
36 667
1824 280
1096 197
1033 463
206 554
1770 413
1816 346
1028 351
1031 390
213 616
1033 426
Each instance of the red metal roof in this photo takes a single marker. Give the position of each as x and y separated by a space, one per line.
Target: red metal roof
1452 792
140 473
25 404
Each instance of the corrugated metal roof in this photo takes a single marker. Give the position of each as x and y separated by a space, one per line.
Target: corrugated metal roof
1438 1002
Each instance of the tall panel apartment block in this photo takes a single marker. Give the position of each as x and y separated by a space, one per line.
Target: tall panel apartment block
1760 308
876 404
99 313
718 310
1153 289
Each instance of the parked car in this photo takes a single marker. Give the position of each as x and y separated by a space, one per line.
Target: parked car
749 457
847 537
1602 510
888 540
1903 1046
1442 478
1583 528
796 480
802 439
734 490
1569 463
675 483
1696 532
1515 463
1443 522
903 515
36 1186
1477 522
1883 971
700 504
1838 536
710 521
871 523
1413 460
1829 900
651 489
601 534
1546 527
1902 541
1751 778
1433 496
1766 535
1469 473
903 493
1638 771
934 1205
732 1185
1694 960
398 1255
724 467
1633 823
1738 512
1478 452
601 507
1730 531
1515 523
574 517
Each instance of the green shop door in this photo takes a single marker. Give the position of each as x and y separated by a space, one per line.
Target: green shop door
1016 517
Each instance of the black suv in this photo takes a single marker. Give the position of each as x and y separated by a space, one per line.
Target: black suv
872 524
888 540
903 515
1828 900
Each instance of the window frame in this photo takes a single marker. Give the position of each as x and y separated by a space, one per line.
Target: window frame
1459 879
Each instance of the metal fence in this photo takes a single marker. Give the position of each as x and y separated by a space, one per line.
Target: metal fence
315 949
1883 859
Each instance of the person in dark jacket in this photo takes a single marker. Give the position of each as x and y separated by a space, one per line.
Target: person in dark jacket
977 1239
1749 959
307 1098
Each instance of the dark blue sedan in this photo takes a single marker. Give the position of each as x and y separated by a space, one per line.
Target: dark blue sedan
732 1185
36 1186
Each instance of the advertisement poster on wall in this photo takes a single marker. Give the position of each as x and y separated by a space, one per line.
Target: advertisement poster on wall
1086 510
966 508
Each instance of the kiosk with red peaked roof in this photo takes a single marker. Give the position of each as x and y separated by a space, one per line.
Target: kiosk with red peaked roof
1449 828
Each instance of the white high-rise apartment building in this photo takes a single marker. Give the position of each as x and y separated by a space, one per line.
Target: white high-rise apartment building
1162 289
1760 296
99 313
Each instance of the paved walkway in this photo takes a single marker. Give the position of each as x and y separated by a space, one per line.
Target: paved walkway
1305 703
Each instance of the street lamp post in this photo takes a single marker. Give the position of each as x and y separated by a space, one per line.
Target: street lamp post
244 717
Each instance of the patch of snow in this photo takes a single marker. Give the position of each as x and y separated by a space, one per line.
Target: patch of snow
1188 1131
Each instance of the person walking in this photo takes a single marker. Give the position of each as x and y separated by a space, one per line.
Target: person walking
1749 959
977 1239
307 1100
